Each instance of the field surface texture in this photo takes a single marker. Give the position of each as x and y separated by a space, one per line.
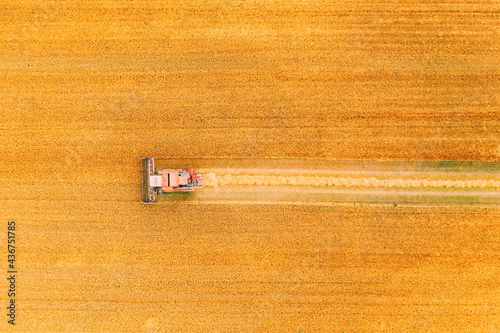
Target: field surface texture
335 89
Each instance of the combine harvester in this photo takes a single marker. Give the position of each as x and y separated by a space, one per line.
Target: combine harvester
167 180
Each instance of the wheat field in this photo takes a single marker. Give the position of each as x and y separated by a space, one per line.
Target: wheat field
90 87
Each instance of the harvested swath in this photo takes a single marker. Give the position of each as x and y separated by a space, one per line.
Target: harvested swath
214 179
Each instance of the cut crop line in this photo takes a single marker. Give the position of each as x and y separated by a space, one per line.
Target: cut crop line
213 179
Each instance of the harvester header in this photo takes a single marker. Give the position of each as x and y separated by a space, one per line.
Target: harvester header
167 180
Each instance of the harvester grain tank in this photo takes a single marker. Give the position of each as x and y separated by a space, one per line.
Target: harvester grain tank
167 180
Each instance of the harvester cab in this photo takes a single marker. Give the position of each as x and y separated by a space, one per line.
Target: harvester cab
167 180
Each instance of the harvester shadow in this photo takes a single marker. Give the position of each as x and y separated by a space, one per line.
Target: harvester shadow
177 196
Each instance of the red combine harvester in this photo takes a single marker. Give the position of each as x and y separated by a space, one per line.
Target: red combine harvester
167 180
